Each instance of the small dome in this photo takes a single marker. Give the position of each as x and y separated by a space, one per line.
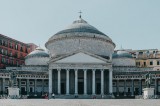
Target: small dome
37 57
123 58
121 54
39 52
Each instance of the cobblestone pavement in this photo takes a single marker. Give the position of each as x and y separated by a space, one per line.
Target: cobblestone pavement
79 102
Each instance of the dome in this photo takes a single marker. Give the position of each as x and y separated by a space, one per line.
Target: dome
78 28
37 57
80 36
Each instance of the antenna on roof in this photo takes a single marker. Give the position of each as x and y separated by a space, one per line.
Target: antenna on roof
121 47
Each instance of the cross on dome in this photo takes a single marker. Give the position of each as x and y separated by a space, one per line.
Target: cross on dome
80 13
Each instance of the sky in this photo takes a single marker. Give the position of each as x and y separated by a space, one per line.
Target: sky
132 24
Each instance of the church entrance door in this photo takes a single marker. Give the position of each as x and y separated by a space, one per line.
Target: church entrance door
62 88
80 87
23 92
31 89
98 88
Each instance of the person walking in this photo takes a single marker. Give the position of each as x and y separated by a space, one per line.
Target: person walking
53 96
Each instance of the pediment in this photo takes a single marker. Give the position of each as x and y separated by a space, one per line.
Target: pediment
80 58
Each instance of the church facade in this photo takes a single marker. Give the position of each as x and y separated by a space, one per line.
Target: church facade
81 62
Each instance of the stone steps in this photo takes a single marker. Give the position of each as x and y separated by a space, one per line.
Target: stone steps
83 97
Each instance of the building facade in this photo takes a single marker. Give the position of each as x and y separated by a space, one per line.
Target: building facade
81 62
12 52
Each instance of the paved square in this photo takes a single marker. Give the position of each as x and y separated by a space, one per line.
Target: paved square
79 102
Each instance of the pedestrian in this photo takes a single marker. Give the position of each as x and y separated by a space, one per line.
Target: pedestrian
53 96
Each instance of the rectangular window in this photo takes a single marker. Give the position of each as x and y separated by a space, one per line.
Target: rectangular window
31 82
21 49
0 41
6 52
23 83
16 47
7 61
10 45
114 84
21 55
11 62
10 53
138 63
16 54
151 62
17 63
157 62
2 51
140 53
144 63
3 60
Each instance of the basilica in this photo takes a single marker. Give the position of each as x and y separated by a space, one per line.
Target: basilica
82 62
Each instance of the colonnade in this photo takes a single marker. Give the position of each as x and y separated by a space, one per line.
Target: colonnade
132 86
76 81
19 85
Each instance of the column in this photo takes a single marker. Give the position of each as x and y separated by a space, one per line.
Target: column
110 81
155 86
117 88
42 86
67 82
76 81
50 83
3 86
102 81
140 86
93 81
132 89
35 86
19 86
59 81
27 87
85 81
124 87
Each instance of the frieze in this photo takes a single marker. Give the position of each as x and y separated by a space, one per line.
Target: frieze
78 66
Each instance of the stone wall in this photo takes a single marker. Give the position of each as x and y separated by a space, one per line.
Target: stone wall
123 62
91 45
36 61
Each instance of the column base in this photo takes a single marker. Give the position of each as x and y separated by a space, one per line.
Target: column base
67 94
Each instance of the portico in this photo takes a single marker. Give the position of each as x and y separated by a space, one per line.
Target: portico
75 78
80 81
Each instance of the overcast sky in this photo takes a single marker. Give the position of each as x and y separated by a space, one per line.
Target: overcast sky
134 24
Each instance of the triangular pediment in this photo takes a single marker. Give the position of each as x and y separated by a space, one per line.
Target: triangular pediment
80 58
